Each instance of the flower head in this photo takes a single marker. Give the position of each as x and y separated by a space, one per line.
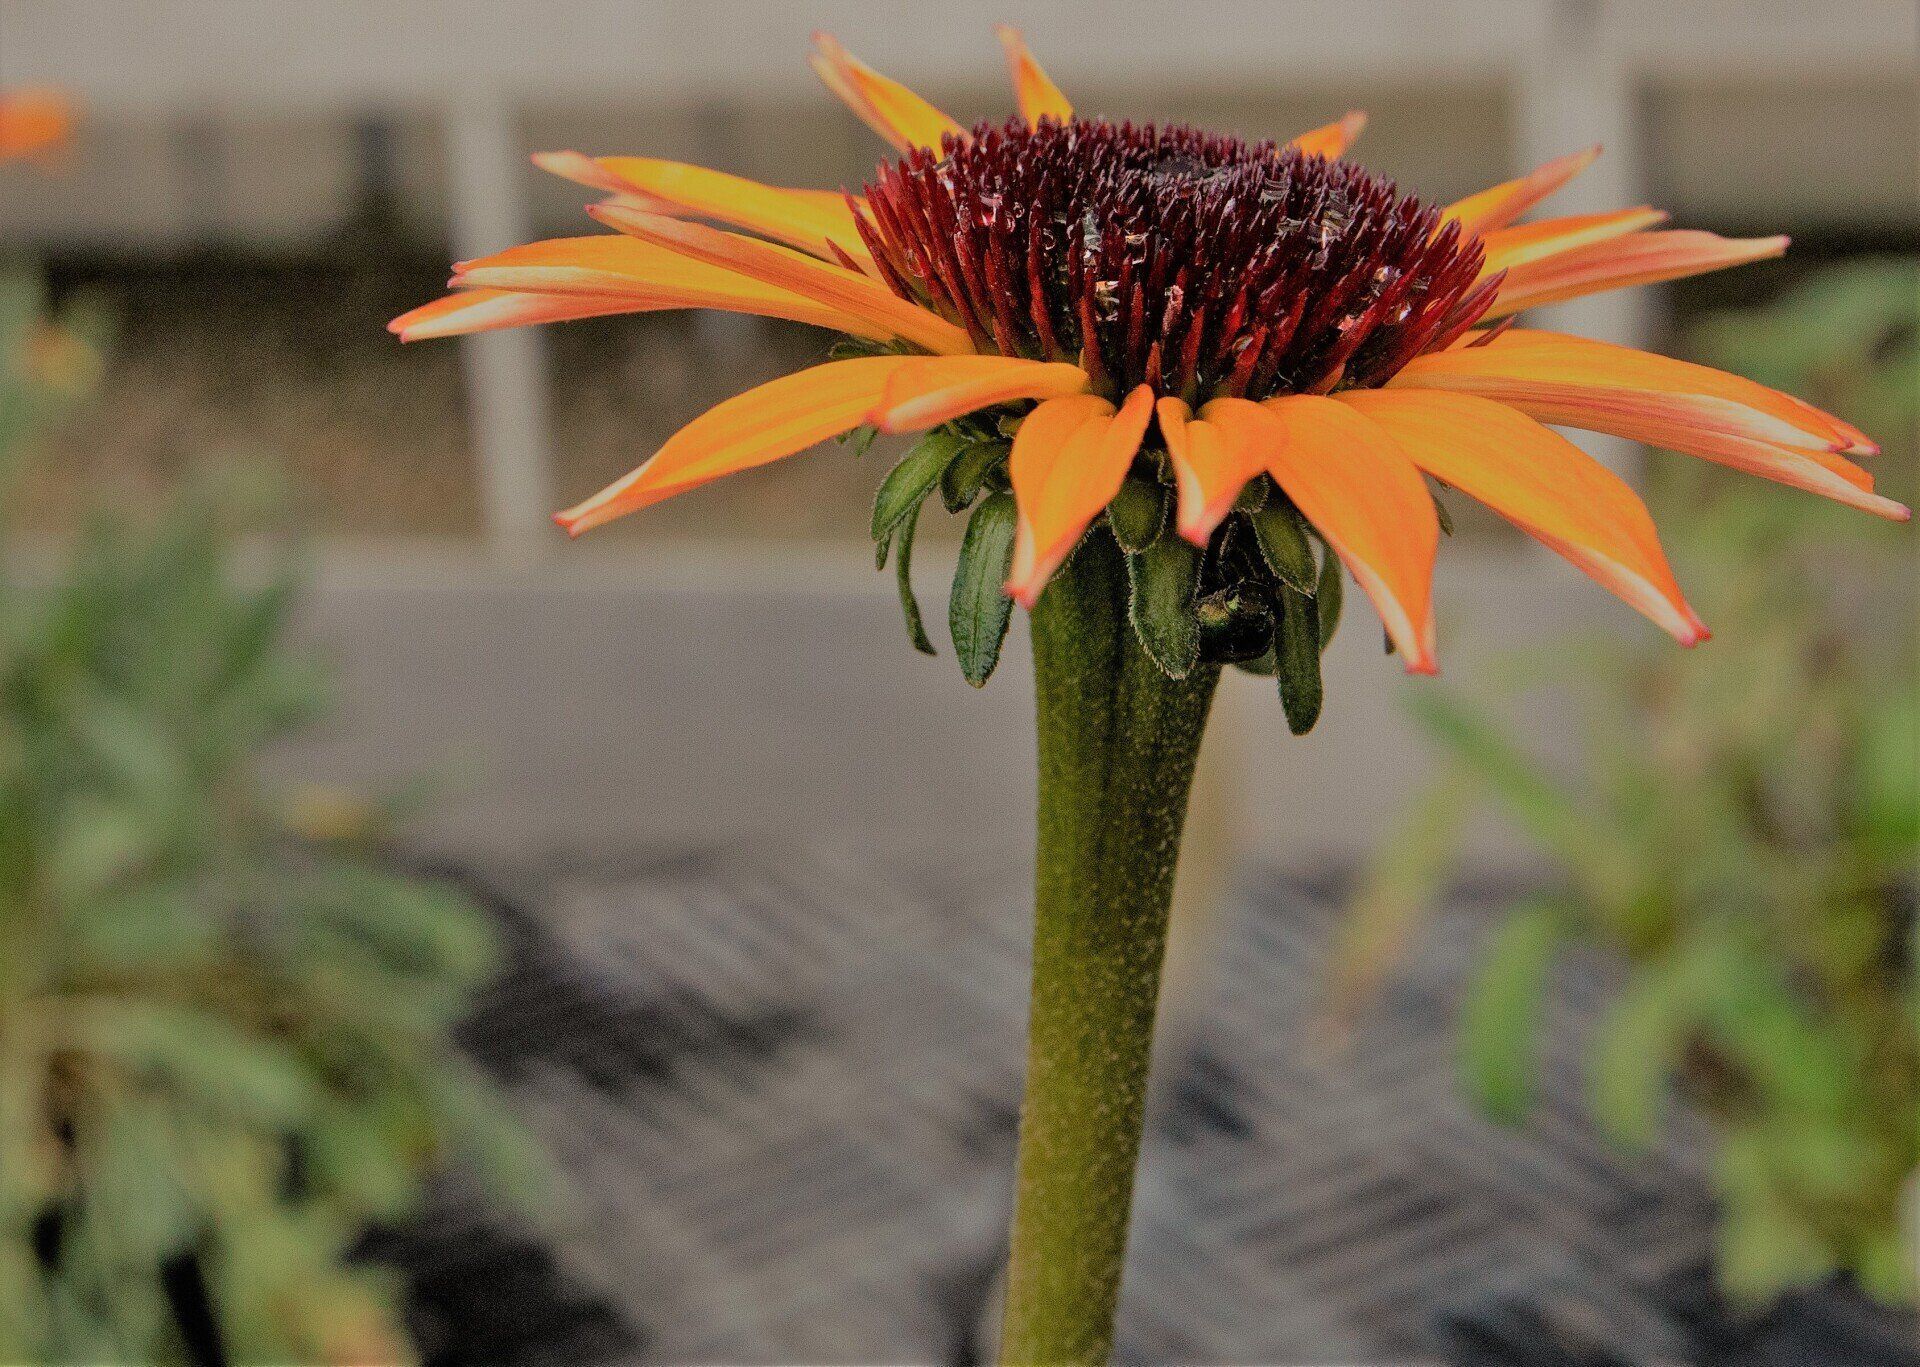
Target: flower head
1103 321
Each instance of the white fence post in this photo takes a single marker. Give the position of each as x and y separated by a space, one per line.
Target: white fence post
508 407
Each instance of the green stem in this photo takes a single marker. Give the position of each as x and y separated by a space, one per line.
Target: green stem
1118 740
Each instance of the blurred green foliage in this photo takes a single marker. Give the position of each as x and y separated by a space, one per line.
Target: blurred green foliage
1740 830
224 1046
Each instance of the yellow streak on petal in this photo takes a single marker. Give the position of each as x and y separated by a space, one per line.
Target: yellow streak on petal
823 281
885 106
1038 96
481 310
1499 205
775 420
1620 262
807 219
1531 369
1517 246
651 276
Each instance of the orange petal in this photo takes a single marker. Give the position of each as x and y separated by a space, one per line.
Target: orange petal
1209 468
1575 382
1039 97
1070 458
934 390
1501 204
1545 485
1333 139
34 122
779 418
1352 481
1571 380
829 284
1510 247
650 276
885 106
1637 259
807 219
466 311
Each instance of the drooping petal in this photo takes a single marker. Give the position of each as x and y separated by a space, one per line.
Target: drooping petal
1542 372
1332 140
1617 263
1545 485
1210 467
1070 458
1499 205
1576 382
807 219
1516 246
1354 484
466 311
777 419
1038 96
885 106
934 390
832 285
650 276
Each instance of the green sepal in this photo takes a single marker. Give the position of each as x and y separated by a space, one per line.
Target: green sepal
908 483
1162 582
970 473
1260 666
1137 514
903 576
1296 648
1281 534
1327 599
860 440
1253 495
979 610
1445 518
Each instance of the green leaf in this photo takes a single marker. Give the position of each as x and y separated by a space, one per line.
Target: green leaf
909 482
1297 657
903 576
1137 514
1500 1018
970 473
979 610
1164 579
1328 596
1281 534
205 1057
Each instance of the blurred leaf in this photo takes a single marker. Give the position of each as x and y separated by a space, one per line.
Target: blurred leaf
1500 1017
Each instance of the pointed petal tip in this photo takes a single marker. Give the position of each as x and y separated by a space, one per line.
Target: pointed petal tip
1424 665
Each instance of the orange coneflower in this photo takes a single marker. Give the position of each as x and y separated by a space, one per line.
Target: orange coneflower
1175 306
34 122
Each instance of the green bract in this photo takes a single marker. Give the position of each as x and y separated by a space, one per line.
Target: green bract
1258 594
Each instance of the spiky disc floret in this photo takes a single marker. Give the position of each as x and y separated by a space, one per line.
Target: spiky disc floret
1199 264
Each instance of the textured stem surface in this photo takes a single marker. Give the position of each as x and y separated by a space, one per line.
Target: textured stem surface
1118 740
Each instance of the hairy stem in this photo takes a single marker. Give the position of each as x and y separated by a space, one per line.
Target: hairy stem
1118 740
